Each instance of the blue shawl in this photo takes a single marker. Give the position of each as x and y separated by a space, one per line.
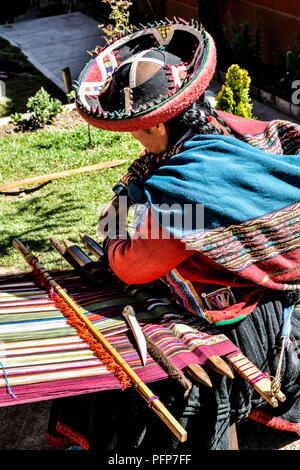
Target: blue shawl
249 204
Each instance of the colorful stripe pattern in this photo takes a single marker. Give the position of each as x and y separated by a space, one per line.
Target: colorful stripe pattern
186 295
237 247
184 292
44 358
279 137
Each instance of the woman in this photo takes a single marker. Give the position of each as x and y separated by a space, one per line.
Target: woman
219 220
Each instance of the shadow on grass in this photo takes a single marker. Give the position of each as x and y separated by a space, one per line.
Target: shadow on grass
47 222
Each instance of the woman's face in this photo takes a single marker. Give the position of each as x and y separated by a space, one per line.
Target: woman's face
155 139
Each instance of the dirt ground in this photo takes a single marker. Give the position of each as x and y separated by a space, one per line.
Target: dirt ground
69 118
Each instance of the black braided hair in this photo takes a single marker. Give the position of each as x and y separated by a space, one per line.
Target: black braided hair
195 119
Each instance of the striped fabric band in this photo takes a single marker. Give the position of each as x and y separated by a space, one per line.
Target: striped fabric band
185 293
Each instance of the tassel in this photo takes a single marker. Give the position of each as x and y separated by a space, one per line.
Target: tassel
74 321
94 345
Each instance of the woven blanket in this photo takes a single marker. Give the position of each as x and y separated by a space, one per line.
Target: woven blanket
42 357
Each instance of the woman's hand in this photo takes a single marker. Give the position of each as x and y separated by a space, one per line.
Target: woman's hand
113 217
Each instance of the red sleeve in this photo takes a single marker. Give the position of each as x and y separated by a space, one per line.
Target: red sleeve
143 258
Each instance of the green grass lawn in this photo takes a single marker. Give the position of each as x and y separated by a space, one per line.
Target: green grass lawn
64 207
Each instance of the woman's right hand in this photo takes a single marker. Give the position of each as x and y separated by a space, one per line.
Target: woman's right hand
113 217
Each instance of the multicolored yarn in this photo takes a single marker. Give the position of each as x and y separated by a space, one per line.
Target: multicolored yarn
154 397
7 383
94 345
73 320
47 354
183 290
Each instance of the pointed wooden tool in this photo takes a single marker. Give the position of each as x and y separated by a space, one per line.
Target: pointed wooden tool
129 315
220 366
194 370
80 257
64 253
172 371
91 245
198 374
215 362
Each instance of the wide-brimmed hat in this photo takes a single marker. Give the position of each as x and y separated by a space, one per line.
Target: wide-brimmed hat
146 77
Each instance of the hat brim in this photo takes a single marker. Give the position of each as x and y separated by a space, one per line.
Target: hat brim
170 108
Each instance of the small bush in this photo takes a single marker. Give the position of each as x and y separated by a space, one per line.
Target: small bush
16 117
43 107
241 46
234 96
119 15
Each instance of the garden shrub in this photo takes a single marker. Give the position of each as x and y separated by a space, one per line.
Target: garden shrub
234 97
119 14
293 60
43 107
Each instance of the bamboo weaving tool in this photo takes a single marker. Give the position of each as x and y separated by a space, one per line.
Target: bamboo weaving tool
259 381
152 400
194 370
215 362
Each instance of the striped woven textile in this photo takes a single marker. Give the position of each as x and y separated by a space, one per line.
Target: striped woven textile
42 357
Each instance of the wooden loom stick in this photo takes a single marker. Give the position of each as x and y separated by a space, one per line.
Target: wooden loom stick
154 351
220 366
92 245
60 174
152 400
215 362
194 370
256 378
172 370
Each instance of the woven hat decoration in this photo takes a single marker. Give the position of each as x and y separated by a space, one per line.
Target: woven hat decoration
147 76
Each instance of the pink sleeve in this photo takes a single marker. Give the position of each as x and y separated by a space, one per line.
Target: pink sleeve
142 258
